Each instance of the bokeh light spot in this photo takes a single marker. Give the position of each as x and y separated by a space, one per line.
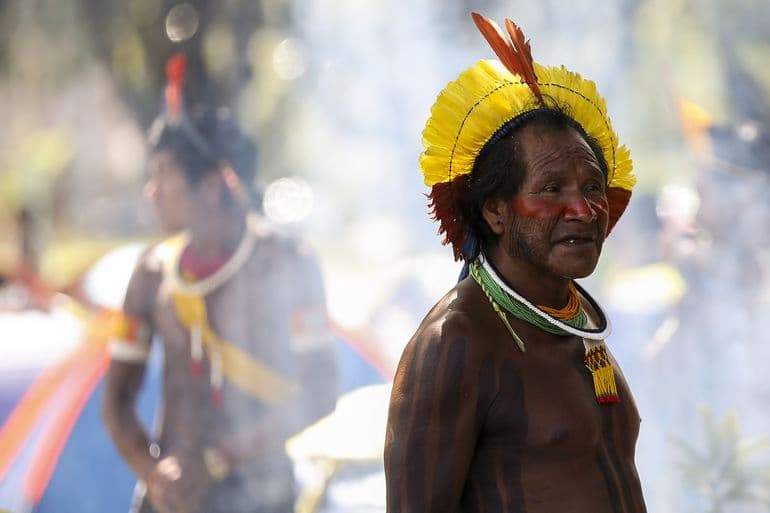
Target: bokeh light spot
289 61
288 200
678 204
181 22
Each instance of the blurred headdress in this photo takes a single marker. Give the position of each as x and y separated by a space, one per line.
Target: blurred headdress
209 135
478 107
174 115
741 147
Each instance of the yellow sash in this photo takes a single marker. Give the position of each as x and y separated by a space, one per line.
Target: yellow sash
237 366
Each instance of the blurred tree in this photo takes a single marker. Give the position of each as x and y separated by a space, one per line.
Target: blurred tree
735 29
724 472
80 80
136 37
737 24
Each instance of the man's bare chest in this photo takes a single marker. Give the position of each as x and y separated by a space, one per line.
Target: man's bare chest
545 405
250 314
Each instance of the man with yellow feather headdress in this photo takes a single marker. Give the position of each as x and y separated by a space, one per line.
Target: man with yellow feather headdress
506 398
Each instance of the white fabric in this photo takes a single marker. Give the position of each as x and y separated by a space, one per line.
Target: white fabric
128 351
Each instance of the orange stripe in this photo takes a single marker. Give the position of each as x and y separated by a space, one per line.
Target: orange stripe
570 311
20 424
58 428
123 325
378 361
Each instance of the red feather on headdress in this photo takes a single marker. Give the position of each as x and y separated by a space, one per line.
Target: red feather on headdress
175 72
515 54
444 204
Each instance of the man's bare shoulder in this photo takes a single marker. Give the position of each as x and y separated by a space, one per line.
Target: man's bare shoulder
458 316
459 313
451 349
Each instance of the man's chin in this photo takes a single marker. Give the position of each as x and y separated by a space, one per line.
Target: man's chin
574 268
576 275
170 228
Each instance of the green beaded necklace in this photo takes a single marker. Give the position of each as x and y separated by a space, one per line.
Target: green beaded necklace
596 358
501 300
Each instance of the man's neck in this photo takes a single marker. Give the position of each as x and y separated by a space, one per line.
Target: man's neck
214 234
534 283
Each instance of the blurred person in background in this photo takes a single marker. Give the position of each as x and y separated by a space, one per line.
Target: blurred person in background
240 311
22 286
721 250
712 363
506 398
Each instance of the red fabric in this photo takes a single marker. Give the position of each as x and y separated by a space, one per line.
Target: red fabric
197 267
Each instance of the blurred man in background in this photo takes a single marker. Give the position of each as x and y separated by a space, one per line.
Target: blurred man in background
240 311
506 398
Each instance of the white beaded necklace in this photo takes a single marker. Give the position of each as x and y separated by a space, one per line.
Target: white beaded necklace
206 285
591 334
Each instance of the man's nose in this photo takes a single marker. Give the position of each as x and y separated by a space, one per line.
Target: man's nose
579 208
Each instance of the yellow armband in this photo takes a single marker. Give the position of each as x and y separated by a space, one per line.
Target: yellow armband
129 339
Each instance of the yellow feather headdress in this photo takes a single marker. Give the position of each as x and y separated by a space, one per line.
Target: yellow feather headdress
488 95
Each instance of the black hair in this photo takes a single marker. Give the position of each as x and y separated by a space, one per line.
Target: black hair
202 140
499 169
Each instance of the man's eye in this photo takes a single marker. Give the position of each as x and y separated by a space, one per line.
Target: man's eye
551 188
595 187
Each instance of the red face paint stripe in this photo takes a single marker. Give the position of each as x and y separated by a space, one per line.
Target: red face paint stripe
536 208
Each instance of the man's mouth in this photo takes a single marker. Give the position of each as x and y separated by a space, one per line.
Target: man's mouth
576 240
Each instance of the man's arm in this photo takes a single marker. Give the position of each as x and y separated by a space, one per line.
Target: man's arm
123 382
314 399
434 420
129 348
174 485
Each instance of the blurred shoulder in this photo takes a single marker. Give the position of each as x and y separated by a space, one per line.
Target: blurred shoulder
276 243
145 279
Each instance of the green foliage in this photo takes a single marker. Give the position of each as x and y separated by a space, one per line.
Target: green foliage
29 169
724 470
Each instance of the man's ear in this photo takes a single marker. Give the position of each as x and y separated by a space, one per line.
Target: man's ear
234 185
495 212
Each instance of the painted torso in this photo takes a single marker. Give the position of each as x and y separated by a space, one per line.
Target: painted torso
525 432
252 310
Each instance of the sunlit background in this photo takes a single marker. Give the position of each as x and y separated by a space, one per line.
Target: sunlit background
336 93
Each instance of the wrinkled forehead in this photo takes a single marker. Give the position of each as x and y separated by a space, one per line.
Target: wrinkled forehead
542 145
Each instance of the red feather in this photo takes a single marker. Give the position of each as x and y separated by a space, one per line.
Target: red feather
515 54
617 199
445 206
497 40
524 51
175 72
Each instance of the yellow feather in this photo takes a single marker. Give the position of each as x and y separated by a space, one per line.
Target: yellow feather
469 111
